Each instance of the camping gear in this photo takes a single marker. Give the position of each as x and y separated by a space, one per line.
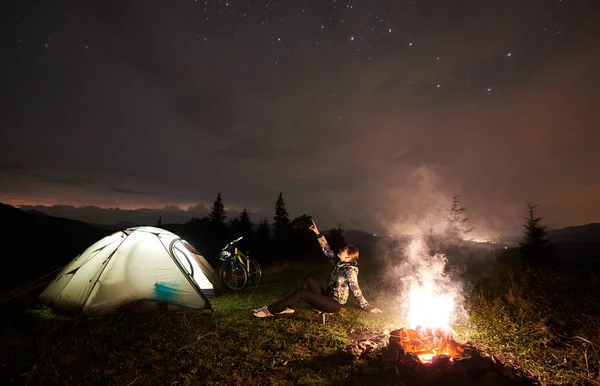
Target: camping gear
136 269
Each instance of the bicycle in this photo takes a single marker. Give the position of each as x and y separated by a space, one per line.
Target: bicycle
238 268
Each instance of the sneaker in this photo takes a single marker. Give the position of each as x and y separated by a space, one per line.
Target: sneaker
262 312
287 310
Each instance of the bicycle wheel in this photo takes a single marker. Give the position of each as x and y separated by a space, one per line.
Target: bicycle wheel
254 273
233 275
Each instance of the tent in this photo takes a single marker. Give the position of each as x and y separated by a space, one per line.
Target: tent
136 269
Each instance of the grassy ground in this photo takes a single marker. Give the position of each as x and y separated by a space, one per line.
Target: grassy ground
551 335
228 347
544 319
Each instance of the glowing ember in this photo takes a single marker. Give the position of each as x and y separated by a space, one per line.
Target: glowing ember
426 344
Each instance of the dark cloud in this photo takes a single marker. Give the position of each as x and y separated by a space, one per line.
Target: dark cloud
147 104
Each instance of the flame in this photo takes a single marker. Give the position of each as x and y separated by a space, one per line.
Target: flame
426 343
428 308
430 304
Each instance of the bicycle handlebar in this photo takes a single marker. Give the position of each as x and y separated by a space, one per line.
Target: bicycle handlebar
233 242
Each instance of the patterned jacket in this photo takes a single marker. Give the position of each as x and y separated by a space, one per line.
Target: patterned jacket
344 278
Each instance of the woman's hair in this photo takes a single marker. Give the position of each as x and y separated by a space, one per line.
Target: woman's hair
352 252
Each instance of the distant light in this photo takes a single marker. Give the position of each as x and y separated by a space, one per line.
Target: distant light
410 44
509 54
351 37
389 30
489 89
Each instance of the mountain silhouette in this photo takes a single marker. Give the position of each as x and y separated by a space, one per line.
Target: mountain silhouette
589 233
41 243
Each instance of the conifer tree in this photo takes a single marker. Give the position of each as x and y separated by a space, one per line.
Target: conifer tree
217 229
242 226
217 213
457 220
245 223
535 245
281 225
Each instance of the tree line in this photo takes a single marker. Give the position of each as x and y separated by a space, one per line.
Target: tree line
281 239
285 239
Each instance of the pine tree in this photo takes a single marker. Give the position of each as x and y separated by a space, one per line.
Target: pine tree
159 222
457 220
535 245
245 223
217 229
217 213
281 226
242 226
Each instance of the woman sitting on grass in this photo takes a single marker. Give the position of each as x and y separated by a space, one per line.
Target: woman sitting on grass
344 279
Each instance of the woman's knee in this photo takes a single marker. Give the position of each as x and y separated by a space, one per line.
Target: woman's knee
307 282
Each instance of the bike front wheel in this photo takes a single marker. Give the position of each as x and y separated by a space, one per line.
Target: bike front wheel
234 275
254 273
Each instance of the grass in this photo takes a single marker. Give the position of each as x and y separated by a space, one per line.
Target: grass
545 320
545 323
228 347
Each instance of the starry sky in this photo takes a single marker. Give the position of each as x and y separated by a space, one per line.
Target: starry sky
365 114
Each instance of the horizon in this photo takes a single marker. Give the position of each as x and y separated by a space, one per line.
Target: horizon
150 216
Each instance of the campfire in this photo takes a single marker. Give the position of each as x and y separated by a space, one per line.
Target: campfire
425 345
424 352
430 304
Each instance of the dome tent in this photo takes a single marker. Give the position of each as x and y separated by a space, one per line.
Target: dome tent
136 269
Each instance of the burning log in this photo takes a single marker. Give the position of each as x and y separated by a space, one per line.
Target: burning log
425 344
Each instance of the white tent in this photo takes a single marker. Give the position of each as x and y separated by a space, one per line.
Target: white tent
137 269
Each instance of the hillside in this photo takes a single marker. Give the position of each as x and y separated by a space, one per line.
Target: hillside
41 243
589 233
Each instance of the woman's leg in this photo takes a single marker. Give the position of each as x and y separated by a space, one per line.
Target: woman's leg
310 291
311 284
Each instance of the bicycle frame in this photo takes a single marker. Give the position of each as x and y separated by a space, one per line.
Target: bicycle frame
241 256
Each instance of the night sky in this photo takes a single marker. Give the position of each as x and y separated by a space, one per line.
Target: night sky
367 114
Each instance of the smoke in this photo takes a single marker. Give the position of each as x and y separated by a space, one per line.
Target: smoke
419 204
430 297
424 201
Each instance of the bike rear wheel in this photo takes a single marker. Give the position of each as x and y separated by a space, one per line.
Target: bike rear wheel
254 273
234 275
